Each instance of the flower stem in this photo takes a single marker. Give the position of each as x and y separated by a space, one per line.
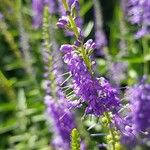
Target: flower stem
74 27
111 130
86 59
47 47
145 52
65 5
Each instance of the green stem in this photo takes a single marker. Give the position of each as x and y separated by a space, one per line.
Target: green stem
73 25
145 52
47 46
86 59
72 22
111 130
65 5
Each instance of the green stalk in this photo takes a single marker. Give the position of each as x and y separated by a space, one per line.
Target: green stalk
145 52
72 22
10 40
86 59
74 27
111 130
65 5
47 47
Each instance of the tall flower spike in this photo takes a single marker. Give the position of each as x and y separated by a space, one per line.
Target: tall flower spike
57 108
97 93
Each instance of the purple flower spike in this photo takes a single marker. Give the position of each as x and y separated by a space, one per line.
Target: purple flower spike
98 94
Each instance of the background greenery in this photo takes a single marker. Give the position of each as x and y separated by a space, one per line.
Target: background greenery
22 112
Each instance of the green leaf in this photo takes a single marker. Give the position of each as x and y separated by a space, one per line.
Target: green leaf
4 107
88 28
87 6
136 59
8 125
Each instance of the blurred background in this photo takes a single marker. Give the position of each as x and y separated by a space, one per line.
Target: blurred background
23 124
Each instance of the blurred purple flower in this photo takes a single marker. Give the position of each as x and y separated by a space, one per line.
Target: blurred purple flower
63 122
100 37
1 16
125 126
37 8
139 13
139 97
136 123
117 71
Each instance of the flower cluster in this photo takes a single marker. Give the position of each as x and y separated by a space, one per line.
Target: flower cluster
139 13
98 93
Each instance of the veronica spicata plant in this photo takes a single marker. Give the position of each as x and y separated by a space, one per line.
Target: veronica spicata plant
100 97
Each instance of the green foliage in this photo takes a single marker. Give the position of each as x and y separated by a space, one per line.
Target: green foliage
75 140
23 124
